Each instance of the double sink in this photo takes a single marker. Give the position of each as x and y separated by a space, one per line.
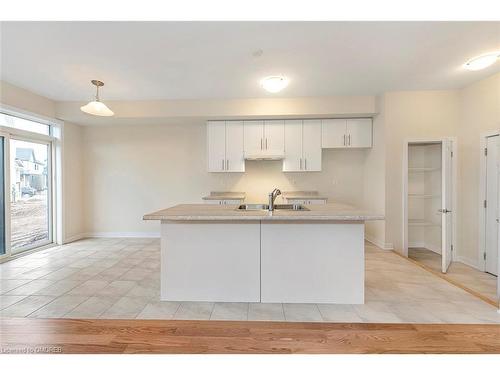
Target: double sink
265 207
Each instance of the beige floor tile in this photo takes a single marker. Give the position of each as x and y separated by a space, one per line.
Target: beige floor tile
339 313
6 301
230 311
194 311
30 288
117 288
8 285
266 312
25 306
58 288
302 312
125 308
89 288
91 308
377 312
159 310
58 307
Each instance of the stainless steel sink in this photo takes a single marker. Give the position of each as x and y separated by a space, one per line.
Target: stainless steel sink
265 207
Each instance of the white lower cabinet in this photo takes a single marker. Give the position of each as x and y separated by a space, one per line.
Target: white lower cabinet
302 146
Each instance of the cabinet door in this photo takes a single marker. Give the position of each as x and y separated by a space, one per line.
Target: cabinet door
253 137
311 145
359 132
333 133
293 146
274 137
216 146
235 160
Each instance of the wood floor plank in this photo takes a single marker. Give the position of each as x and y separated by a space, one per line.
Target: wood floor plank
170 336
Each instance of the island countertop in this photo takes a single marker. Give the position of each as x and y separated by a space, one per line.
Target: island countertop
205 212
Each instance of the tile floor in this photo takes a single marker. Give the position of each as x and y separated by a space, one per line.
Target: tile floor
481 282
120 278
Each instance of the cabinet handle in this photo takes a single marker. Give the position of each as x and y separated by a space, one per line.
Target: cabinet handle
266 143
222 164
344 139
227 164
300 164
349 139
305 164
261 143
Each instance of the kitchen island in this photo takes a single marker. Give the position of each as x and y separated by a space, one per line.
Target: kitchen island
225 254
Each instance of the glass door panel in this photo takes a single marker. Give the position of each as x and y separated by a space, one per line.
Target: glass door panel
30 212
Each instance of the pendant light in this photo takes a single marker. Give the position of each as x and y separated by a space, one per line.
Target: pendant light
96 107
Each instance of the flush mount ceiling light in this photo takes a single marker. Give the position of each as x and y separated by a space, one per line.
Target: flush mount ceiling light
274 84
483 61
96 107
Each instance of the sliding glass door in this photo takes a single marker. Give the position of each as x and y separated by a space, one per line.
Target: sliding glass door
30 213
2 196
26 185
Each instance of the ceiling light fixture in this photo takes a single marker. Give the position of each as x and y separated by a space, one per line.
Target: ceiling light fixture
483 61
274 84
96 107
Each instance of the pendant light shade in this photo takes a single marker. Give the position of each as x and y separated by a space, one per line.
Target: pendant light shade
96 107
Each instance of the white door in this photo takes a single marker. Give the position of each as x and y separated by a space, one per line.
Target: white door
311 145
293 146
359 132
235 160
491 225
216 135
446 204
253 137
274 137
333 133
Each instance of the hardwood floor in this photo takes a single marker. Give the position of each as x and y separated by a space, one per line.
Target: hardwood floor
170 336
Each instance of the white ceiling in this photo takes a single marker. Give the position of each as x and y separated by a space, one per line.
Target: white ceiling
194 60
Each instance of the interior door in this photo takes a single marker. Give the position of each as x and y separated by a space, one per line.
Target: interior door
293 146
235 160
447 204
491 225
253 137
216 134
359 132
2 197
274 137
311 141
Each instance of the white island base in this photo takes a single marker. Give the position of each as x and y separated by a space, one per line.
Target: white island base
263 261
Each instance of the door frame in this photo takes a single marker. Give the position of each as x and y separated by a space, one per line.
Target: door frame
481 263
405 189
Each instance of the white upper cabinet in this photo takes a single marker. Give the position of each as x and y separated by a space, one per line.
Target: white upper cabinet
333 133
293 146
264 138
225 146
254 137
302 146
359 132
344 133
311 145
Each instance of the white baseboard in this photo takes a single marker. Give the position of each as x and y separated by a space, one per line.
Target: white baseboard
470 262
74 238
377 242
122 235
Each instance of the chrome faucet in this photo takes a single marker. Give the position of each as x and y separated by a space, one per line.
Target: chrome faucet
272 197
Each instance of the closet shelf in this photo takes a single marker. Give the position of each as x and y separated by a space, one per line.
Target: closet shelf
422 223
424 196
423 169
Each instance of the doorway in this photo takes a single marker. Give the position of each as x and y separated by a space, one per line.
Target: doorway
428 201
490 255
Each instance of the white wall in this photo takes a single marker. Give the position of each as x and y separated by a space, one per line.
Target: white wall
133 170
479 112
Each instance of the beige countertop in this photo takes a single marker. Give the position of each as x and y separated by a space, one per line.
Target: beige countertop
221 195
331 211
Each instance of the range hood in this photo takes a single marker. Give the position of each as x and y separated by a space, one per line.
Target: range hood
261 156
